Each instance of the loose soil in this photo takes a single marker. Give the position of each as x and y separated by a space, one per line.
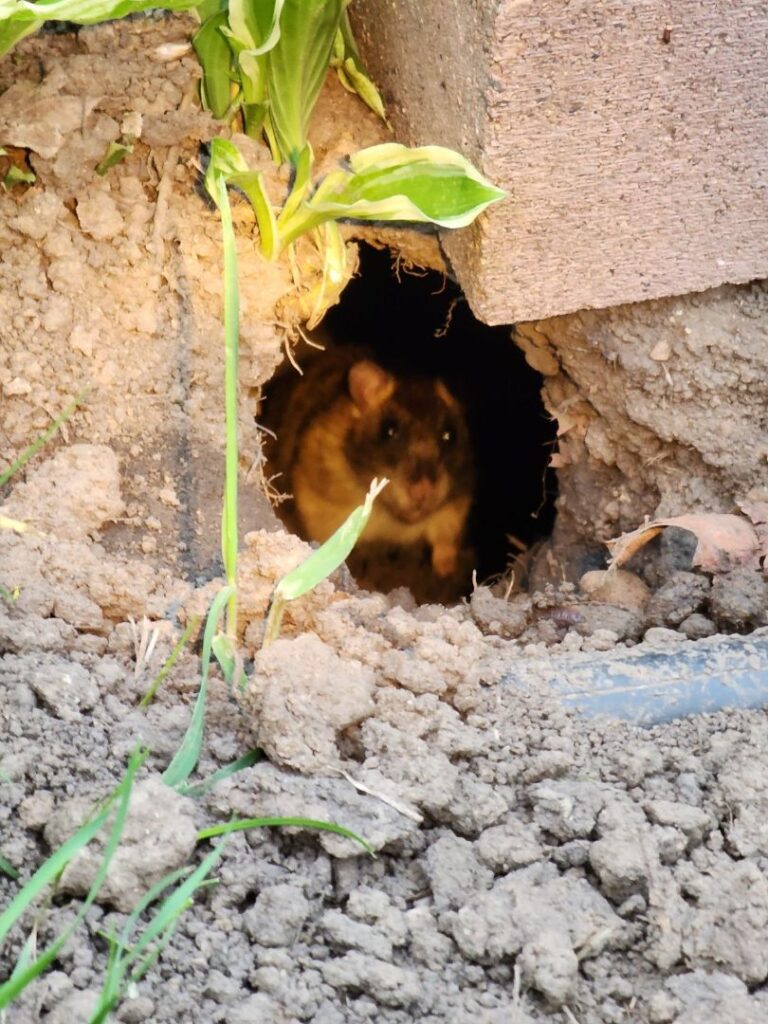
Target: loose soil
531 865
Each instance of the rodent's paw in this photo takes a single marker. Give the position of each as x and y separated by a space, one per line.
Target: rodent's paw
445 558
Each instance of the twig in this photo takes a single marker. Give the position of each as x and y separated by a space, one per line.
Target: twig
144 642
397 805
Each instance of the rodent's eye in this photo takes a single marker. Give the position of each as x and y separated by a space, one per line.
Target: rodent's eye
389 428
448 435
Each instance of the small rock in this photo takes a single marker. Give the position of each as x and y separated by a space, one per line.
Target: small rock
683 594
485 929
66 691
660 636
566 809
17 386
277 916
508 846
550 965
617 587
507 619
727 928
694 822
739 599
343 931
99 215
35 811
454 872
79 611
159 836
134 1011
302 696
697 626
256 1009
73 494
621 865
77 1006
427 944
386 983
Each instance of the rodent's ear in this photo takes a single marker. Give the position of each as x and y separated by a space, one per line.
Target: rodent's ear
369 385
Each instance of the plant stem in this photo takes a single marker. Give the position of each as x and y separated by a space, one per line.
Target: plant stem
231 319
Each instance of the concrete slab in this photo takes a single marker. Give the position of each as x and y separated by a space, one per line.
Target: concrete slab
632 137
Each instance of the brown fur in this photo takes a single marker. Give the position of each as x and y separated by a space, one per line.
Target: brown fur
347 421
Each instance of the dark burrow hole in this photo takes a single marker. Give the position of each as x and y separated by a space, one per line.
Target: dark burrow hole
416 324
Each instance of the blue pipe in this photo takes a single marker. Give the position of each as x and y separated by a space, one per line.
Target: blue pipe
648 687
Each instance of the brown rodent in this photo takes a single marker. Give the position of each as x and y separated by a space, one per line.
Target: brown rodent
348 420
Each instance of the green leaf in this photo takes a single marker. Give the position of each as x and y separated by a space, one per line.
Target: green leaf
225 651
16 176
201 788
391 182
349 67
302 182
321 563
116 152
19 18
297 66
255 24
227 162
186 757
8 869
170 662
38 443
53 866
216 59
15 25
321 826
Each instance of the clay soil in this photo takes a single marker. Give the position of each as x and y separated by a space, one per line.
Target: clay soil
532 865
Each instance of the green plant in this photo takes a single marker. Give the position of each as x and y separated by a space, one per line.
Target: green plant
27 968
270 57
321 563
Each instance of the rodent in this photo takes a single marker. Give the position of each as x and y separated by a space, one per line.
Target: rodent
348 420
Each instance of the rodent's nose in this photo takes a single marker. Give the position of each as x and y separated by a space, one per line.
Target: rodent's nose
421 490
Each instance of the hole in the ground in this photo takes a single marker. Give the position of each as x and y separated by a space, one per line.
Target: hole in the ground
417 328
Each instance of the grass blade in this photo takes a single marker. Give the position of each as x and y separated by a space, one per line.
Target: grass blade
113 979
321 563
51 868
321 826
7 868
201 788
188 754
159 930
173 657
36 445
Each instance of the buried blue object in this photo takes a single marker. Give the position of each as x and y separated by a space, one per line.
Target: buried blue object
647 687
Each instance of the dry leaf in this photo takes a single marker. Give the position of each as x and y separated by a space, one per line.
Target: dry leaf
725 542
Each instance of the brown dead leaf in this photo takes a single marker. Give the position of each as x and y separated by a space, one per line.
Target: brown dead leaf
725 542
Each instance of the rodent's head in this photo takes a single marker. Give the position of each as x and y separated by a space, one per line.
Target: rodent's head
411 430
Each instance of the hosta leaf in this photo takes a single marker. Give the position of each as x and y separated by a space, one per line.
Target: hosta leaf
349 67
394 183
298 64
88 12
216 59
15 28
255 23
19 18
227 162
